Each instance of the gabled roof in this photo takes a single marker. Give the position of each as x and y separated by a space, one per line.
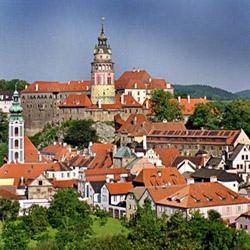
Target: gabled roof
124 152
138 192
196 160
28 171
64 183
119 188
188 105
8 193
159 176
236 151
97 185
31 154
167 155
222 175
214 161
206 194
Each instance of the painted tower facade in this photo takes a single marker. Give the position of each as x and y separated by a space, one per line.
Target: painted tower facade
16 131
102 72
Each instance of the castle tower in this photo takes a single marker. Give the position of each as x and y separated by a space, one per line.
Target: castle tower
102 73
16 131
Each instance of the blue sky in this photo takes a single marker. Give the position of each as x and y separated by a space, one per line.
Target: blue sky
183 41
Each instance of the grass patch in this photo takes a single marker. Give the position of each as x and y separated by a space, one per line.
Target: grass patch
112 227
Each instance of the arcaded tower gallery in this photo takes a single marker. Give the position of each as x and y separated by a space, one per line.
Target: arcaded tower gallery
102 72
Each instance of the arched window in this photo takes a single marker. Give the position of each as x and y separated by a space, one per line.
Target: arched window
16 143
16 155
16 131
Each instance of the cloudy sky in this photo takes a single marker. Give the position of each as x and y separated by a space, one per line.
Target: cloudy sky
183 41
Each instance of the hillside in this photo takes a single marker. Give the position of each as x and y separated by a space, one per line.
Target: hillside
211 93
244 93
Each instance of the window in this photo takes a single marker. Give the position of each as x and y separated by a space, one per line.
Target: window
62 175
246 157
68 174
109 80
40 183
16 155
242 157
16 131
16 143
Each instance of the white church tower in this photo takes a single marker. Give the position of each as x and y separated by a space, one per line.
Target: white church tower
16 131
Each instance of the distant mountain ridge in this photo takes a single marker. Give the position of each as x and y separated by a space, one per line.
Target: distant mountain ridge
243 93
212 93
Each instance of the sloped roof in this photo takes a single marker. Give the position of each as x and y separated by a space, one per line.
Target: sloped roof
119 188
45 87
222 175
196 160
159 176
97 185
96 147
64 183
188 106
167 155
214 161
31 154
124 152
28 171
138 192
76 101
236 151
199 194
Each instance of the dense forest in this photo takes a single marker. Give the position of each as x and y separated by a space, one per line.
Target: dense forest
197 91
71 224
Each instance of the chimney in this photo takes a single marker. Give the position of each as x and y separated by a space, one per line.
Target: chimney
188 98
205 97
190 180
144 142
87 87
114 149
213 178
179 99
99 103
159 173
37 87
150 79
122 99
22 181
54 143
147 104
39 156
107 179
26 86
135 120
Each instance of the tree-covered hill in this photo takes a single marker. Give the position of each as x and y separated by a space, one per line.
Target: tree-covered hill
211 93
244 93
11 84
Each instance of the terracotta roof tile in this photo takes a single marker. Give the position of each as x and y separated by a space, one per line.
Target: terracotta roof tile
159 177
96 147
64 183
188 106
81 101
44 87
119 188
200 195
27 170
167 155
198 161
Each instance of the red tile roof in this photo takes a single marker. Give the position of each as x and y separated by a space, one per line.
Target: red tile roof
159 176
59 152
119 188
196 195
8 193
167 155
97 147
188 106
44 87
209 137
64 183
28 171
101 174
76 101
31 154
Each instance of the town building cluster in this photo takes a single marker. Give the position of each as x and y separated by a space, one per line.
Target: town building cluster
175 168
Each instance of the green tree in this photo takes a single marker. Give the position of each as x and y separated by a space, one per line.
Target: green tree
71 217
205 116
3 152
14 236
165 107
36 221
12 84
237 116
8 209
80 133
3 127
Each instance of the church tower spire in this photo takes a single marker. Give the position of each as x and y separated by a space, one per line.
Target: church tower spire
16 131
102 72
